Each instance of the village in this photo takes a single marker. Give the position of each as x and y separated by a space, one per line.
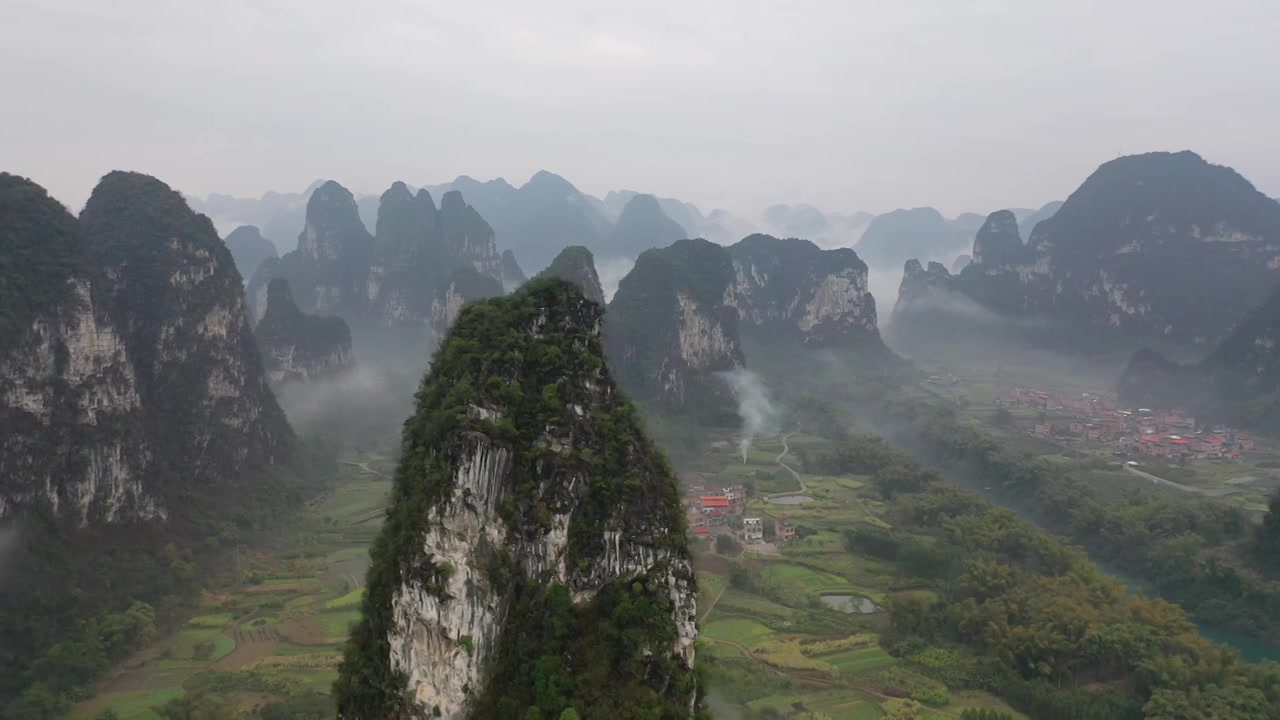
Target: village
718 510
1095 420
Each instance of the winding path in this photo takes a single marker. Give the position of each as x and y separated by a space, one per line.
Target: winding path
804 488
1156 479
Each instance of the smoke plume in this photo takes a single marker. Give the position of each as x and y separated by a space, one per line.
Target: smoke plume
753 406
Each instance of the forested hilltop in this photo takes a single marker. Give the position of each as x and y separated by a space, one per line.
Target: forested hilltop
533 563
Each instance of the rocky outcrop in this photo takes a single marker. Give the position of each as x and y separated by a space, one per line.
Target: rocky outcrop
391 282
528 509
248 249
130 385
641 226
793 289
296 346
670 329
576 265
329 270
1158 246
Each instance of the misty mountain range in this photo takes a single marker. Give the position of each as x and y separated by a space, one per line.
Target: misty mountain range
538 219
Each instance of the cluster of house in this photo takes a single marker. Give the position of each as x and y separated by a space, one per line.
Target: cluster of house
711 507
1218 442
708 507
1094 417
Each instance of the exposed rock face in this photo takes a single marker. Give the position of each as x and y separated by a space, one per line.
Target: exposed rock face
296 346
1158 245
577 266
1239 382
670 329
921 286
174 286
512 275
65 373
130 385
792 288
329 270
998 242
248 249
641 226
513 535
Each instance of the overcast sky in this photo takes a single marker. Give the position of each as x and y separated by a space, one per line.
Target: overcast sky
870 104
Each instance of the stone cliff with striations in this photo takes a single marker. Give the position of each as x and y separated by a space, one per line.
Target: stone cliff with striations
793 289
534 537
671 329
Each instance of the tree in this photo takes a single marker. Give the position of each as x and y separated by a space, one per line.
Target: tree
727 544
196 706
902 709
1002 418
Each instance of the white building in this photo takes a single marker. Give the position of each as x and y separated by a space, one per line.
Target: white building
753 530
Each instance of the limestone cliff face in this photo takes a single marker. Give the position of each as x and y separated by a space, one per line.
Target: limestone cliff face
670 328
577 265
296 346
1157 246
175 287
527 507
66 375
794 288
129 369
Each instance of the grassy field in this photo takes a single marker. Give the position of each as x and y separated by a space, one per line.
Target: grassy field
775 645
287 620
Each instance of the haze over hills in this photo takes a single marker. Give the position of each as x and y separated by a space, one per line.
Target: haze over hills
1161 247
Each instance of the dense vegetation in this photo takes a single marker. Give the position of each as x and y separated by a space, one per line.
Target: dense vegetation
1045 629
532 357
43 251
1197 553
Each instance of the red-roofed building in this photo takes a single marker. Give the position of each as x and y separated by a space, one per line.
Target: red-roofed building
714 502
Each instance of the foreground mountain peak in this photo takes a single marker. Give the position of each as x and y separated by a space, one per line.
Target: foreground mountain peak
528 510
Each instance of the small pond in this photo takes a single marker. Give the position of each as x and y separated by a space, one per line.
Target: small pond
849 604
790 499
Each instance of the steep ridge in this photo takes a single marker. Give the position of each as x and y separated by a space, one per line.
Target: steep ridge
576 265
140 437
296 346
670 329
248 249
534 537
329 270
512 274
793 289
390 283
1162 246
